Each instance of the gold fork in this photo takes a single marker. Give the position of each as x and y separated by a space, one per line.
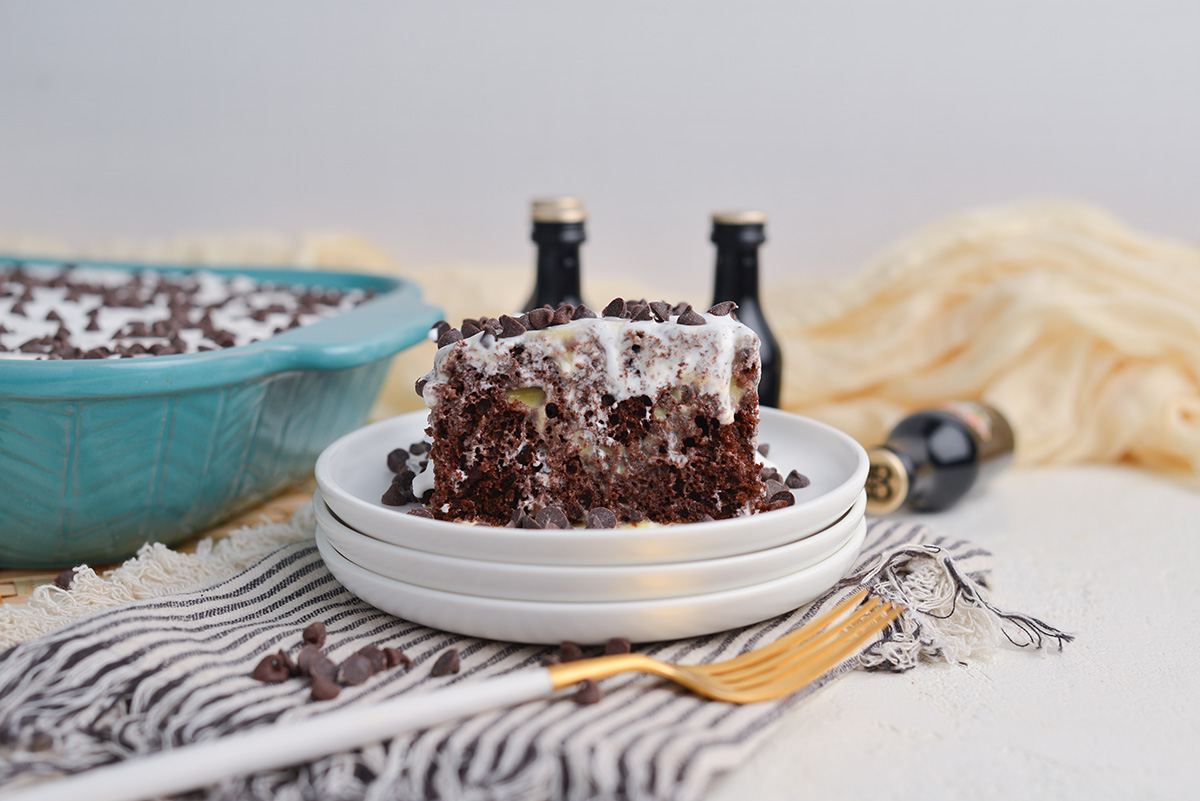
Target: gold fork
772 671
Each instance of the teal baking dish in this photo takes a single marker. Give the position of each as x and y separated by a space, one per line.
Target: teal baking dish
98 457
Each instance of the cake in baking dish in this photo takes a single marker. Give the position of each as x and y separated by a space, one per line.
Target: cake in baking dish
644 412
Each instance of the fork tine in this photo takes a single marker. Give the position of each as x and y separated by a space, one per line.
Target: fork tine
808 630
817 666
863 616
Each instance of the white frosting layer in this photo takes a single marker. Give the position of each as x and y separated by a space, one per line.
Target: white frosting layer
615 356
246 296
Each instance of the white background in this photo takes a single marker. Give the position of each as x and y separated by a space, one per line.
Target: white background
428 126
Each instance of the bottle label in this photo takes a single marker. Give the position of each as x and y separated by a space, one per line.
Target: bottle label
993 433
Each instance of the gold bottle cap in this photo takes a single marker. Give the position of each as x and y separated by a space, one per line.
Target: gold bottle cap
559 210
887 482
744 217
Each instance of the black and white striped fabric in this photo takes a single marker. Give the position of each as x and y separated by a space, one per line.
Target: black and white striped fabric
166 672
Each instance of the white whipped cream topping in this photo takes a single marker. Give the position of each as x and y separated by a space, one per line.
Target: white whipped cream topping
632 359
247 296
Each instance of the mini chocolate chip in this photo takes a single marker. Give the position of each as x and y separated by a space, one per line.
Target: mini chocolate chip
764 448
307 654
786 497
324 690
540 318
314 633
422 512
394 657
552 517
617 645
588 693
270 670
510 327
446 664
470 328
397 460
65 578
690 317
639 314
569 651
551 659
797 480
582 312
615 308
449 338
376 657
322 667
723 308
600 517
562 315
661 309
356 670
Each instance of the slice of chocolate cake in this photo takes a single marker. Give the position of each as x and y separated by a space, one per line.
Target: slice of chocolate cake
648 411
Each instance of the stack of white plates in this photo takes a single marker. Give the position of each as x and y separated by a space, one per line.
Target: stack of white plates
588 585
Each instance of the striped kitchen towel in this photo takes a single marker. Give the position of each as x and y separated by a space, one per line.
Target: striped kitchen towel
165 672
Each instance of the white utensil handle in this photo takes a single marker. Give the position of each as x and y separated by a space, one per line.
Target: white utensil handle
278 745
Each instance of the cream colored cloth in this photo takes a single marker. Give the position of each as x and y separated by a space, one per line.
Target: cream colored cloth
1084 332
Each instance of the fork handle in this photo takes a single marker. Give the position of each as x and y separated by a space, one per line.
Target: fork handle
278 745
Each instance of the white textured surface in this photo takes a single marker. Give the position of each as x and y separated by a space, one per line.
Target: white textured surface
1108 554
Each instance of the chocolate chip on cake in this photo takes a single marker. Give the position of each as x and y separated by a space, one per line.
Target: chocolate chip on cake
690 317
540 318
723 308
563 314
775 487
582 312
640 314
661 310
615 308
510 327
446 664
449 338
600 518
470 328
552 517
797 480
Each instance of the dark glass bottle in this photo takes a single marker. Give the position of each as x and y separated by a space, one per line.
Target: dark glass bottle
933 457
558 231
738 235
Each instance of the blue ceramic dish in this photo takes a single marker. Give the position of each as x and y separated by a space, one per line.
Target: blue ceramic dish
98 457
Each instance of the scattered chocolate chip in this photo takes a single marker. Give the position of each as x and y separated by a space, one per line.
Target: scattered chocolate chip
322 667
662 310
582 312
768 473
324 690
706 518
270 670
600 517
314 633
551 659
419 448
797 480
775 487
723 308
65 578
375 656
775 506
617 645
356 670
393 657
449 338
690 317
539 318
785 497
510 327
287 662
615 308
307 654
396 496
446 664
569 651
397 460
422 512
588 693
764 448
552 517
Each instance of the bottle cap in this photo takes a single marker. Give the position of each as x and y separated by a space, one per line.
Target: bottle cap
744 217
887 482
558 210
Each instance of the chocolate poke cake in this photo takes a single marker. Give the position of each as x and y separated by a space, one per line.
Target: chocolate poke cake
50 312
644 412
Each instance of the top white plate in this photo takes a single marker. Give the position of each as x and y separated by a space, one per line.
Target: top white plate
352 474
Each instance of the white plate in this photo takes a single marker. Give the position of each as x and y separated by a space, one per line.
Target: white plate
639 621
352 475
570 583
